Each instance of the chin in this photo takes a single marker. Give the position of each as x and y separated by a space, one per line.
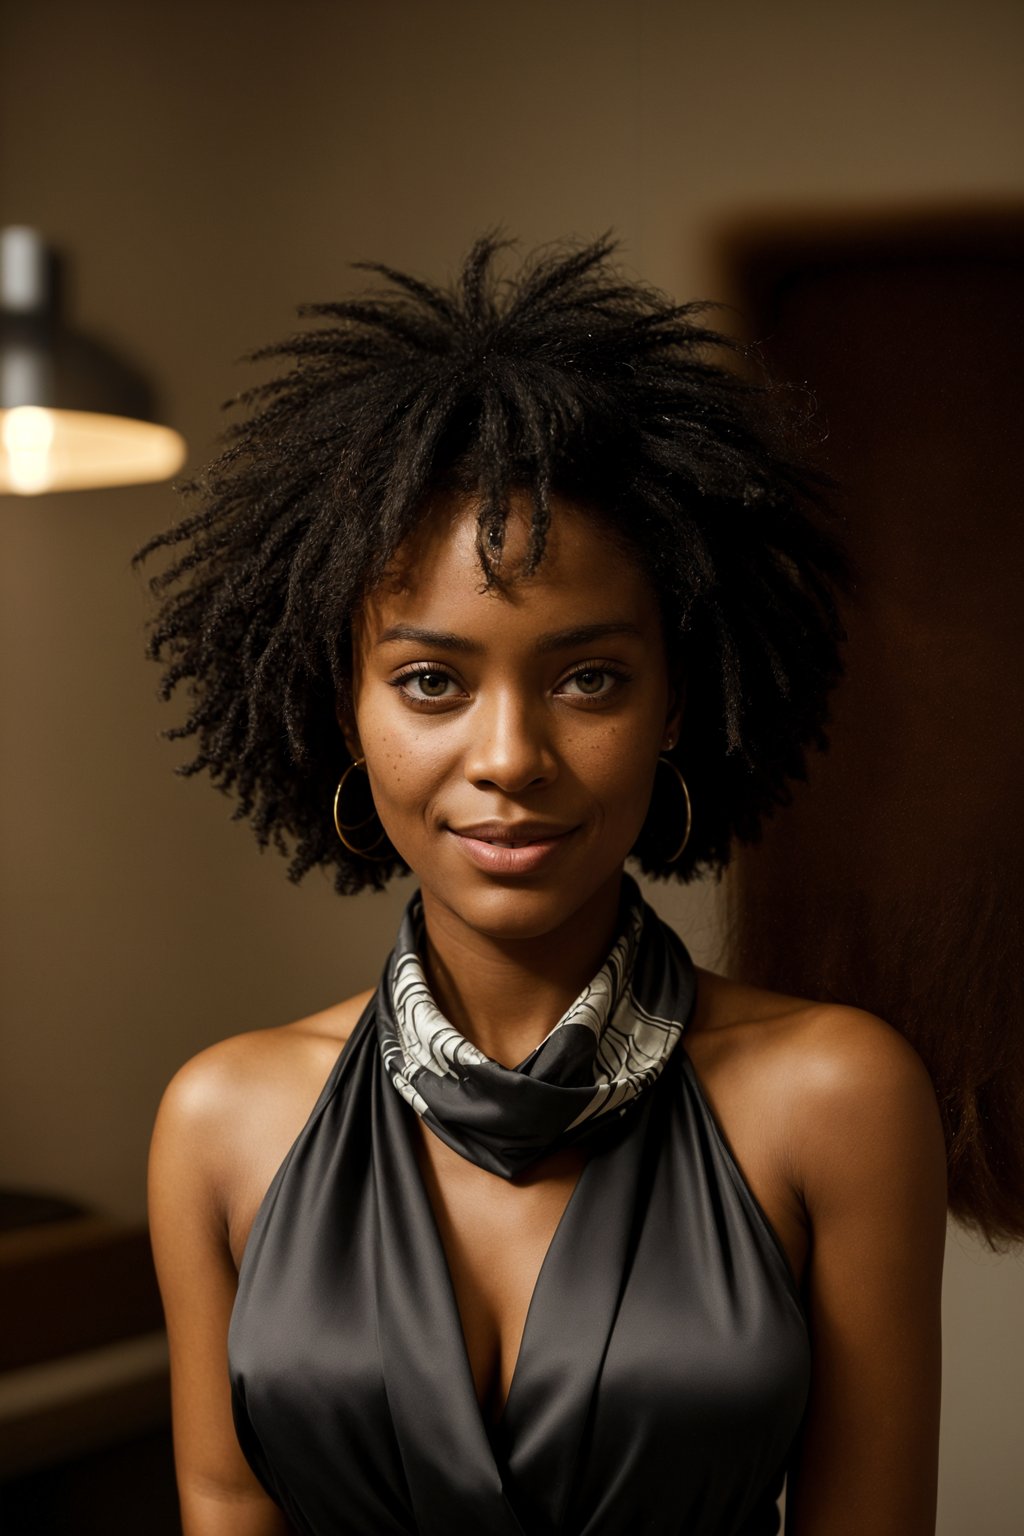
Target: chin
518 909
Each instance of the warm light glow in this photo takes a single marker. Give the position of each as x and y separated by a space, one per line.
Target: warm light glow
27 436
43 450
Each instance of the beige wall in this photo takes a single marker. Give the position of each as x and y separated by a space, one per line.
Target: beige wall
213 164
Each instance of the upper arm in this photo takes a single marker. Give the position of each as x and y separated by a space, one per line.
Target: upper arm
220 1495
872 1165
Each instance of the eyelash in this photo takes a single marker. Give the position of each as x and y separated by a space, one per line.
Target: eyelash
618 676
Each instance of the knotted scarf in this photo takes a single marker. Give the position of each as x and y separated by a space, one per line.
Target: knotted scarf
590 1072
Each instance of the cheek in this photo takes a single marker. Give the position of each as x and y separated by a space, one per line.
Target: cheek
617 766
408 767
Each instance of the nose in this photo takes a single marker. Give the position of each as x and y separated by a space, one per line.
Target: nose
510 746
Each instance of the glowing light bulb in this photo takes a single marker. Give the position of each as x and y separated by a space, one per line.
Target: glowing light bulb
27 434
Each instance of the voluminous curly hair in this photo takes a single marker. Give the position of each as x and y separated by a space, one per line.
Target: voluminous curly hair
569 379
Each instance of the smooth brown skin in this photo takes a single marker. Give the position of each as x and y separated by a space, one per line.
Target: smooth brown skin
828 1111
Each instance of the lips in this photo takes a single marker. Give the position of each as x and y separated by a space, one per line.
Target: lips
511 848
512 834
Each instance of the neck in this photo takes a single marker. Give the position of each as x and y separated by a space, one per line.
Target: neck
505 995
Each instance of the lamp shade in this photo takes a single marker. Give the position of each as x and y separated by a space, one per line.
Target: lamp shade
72 414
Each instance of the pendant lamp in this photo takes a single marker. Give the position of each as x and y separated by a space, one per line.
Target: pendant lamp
72 415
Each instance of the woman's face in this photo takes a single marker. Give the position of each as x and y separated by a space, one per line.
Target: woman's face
532 715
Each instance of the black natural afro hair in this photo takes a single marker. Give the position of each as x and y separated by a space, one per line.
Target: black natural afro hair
567 377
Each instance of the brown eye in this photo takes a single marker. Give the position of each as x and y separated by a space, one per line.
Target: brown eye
602 684
432 684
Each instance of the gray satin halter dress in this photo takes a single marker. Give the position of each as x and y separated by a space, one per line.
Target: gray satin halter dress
664 1367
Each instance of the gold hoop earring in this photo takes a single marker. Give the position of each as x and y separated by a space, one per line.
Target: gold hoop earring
341 827
689 808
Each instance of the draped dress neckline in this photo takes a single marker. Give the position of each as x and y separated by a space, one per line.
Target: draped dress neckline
492 1429
537 1434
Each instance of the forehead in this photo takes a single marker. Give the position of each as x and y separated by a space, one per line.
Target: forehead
585 576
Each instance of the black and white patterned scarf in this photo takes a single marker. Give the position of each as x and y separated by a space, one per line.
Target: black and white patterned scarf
606 1051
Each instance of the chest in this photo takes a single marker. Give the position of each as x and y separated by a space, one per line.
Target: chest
496 1234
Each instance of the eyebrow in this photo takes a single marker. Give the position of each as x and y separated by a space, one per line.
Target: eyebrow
557 640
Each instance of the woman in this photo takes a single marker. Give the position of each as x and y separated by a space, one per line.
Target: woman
551 1231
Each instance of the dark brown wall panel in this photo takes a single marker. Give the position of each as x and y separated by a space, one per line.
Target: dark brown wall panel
896 879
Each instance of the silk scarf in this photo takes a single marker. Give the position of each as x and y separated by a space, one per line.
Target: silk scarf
585 1078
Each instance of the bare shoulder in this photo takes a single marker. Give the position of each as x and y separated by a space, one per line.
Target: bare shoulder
261 1062
831 1043
235 1105
853 1090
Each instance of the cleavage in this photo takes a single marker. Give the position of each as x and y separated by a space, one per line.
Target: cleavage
495 1234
